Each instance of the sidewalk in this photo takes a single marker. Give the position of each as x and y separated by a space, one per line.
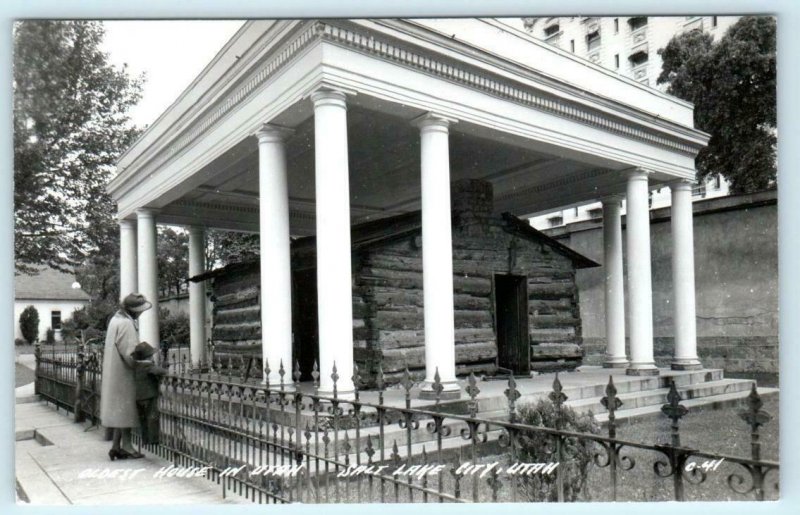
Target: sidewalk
51 452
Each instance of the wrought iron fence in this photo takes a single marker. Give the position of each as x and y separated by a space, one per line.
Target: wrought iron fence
276 444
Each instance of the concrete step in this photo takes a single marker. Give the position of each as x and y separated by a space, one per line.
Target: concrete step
714 402
33 484
658 396
624 384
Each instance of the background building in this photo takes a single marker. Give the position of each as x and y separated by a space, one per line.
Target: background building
628 45
55 295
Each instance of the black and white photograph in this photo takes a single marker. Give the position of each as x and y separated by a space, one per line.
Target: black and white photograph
518 259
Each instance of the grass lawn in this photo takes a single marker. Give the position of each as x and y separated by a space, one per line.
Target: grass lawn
23 349
718 431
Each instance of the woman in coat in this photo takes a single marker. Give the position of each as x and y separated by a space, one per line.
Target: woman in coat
118 389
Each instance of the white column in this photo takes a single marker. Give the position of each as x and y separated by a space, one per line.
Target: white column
615 289
148 274
276 271
197 296
640 289
334 273
685 357
437 257
128 281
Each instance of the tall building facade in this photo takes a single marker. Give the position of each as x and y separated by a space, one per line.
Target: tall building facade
629 46
626 44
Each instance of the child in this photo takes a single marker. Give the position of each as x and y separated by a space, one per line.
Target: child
147 378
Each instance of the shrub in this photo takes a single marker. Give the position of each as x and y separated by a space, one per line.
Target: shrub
540 448
20 341
29 324
50 338
173 328
92 320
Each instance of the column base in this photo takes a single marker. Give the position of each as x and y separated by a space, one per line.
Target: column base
616 362
346 395
686 364
642 370
450 392
276 386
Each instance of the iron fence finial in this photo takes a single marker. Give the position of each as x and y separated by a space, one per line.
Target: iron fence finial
557 395
315 375
437 385
297 373
512 394
335 379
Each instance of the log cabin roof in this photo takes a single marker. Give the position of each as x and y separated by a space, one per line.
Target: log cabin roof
386 230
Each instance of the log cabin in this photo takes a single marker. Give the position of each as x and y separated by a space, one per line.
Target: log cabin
514 296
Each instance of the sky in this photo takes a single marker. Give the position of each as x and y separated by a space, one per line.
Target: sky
170 54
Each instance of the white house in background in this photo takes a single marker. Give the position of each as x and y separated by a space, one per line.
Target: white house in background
55 295
627 45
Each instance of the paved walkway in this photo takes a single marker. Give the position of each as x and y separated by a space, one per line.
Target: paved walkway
52 452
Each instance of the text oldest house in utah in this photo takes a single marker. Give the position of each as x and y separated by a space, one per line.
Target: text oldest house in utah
301 128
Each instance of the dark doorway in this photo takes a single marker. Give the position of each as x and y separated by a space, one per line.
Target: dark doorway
305 324
511 309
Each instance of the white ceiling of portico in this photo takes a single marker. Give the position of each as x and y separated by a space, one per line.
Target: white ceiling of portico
384 174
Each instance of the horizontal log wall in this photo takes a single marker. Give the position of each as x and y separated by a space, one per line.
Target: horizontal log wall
389 282
236 315
388 313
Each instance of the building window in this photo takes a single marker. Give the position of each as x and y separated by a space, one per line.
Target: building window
550 30
713 21
616 25
555 221
593 40
595 213
637 22
638 58
616 61
572 45
717 182
55 320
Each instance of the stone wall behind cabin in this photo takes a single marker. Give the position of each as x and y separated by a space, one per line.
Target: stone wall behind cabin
736 276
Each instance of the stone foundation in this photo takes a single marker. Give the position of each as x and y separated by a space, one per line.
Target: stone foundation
731 353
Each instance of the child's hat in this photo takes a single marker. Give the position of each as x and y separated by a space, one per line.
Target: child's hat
143 350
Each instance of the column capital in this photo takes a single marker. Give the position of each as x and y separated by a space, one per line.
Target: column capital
682 184
196 229
147 212
269 133
432 121
329 97
639 174
616 198
126 223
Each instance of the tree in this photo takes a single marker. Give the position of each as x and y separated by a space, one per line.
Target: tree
226 247
732 84
70 124
173 259
29 324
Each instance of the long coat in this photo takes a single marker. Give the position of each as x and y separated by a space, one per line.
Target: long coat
118 390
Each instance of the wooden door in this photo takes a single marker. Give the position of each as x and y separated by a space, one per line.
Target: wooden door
511 312
305 322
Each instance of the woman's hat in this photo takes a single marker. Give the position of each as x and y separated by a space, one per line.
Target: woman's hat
136 303
143 350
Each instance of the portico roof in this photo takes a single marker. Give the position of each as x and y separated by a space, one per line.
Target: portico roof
546 128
